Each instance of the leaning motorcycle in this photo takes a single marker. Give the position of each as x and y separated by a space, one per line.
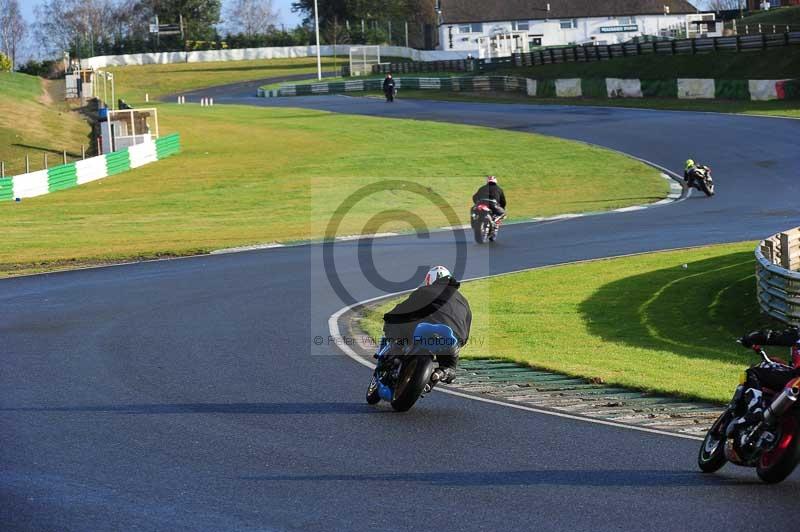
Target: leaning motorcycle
484 225
406 373
772 444
703 181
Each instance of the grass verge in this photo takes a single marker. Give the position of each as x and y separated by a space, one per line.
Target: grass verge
643 322
776 15
250 175
34 121
781 108
133 82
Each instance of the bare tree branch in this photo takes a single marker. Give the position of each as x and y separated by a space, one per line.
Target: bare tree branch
251 17
12 29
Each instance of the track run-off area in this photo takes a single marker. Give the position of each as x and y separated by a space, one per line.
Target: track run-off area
204 393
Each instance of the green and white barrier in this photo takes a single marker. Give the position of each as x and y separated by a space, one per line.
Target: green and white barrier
568 88
623 88
682 88
692 89
70 175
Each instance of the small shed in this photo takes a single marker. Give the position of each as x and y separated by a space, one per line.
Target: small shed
124 128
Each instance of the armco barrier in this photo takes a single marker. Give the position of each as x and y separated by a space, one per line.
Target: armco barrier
72 174
577 54
778 282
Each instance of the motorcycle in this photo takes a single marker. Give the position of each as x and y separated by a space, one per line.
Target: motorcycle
406 373
771 445
703 180
483 222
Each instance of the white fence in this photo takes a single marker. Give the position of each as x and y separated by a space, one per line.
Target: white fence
242 54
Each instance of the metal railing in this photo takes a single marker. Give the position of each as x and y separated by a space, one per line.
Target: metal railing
777 278
735 43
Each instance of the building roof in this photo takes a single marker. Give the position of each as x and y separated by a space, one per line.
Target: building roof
455 11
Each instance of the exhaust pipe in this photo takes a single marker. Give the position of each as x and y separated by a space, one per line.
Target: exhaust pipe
786 400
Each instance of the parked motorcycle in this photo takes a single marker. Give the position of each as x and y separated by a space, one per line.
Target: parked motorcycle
484 224
406 373
703 180
771 445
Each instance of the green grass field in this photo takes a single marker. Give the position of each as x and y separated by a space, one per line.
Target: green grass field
252 175
34 121
133 82
643 322
781 15
776 63
782 108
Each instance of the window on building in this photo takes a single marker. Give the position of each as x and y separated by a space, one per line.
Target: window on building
521 26
626 21
568 24
475 27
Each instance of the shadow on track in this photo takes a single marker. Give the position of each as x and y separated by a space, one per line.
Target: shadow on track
554 477
213 408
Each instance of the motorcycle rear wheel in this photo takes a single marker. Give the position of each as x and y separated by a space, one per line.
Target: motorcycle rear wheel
777 464
414 375
480 232
712 451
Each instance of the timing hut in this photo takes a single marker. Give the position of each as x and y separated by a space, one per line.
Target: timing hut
498 29
125 128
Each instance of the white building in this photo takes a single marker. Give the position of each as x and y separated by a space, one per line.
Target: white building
497 29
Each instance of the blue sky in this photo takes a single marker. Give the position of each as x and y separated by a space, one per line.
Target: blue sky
284 6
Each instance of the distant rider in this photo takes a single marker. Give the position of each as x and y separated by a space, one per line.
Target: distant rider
437 301
775 377
690 172
491 191
389 87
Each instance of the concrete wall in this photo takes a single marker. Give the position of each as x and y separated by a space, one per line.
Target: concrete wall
242 54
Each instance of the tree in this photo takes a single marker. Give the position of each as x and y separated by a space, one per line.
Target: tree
12 29
199 16
76 25
251 17
5 63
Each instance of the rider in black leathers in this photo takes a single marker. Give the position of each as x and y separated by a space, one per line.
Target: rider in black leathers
388 87
775 377
491 191
437 301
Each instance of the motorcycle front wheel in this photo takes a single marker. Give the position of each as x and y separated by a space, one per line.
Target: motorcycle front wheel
712 451
707 190
778 463
414 375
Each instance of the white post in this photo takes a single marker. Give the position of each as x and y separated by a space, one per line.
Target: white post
316 30
133 129
147 97
406 34
113 95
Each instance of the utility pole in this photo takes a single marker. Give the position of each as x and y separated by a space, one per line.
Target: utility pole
316 30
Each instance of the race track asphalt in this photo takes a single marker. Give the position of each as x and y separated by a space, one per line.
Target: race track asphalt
190 395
